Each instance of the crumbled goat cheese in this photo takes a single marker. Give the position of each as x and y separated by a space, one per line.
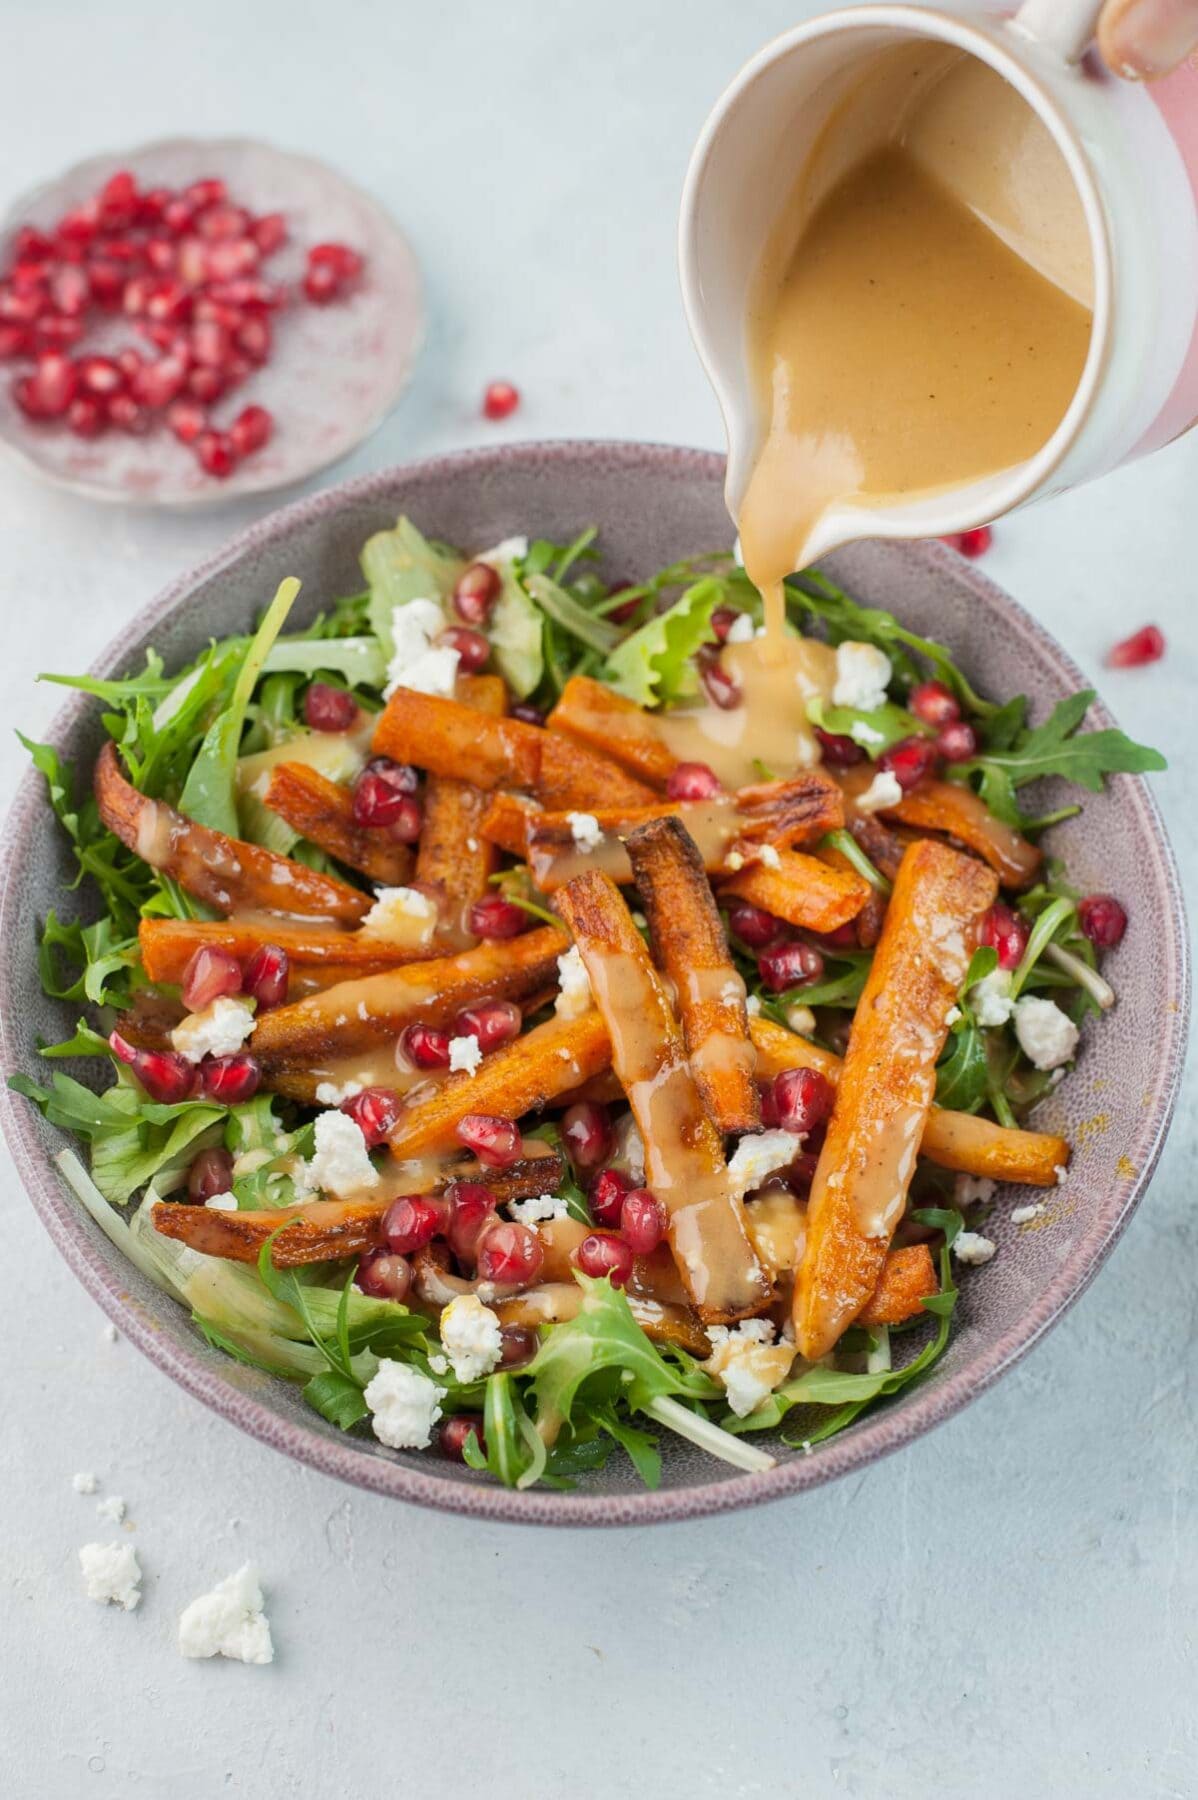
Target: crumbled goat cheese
438 1364
733 992
741 630
584 829
973 1190
862 676
758 1157
753 1005
221 1203
465 1053
991 998
417 662
574 995
1046 1035
734 861
768 857
402 914
229 1621
971 1248
801 1020
332 1093
536 1208
220 1030
1023 1214
85 1482
109 1334
112 1508
630 1148
883 791
340 1165
112 1574
470 1337
512 549
747 1362
952 1016
404 1405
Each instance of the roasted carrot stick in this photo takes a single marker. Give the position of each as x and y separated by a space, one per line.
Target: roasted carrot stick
684 1156
803 890
524 1076
447 738
375 1010
599 717
223 872
688 940
908 1278
323 812
167 946
454 860
886 1087
505 821
956 810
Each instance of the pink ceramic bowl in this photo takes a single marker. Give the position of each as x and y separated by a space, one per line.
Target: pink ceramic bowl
652 505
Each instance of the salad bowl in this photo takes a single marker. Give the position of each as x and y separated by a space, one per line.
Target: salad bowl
652 505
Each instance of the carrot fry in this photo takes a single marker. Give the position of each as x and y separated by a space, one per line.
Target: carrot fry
375 1009
952 1140
688 940
447 738
599 717
960 813
454 861
323 812
886 1086
506 820
908 1278
167 945
803 890
524 1076
558 1301
684 1157
223 872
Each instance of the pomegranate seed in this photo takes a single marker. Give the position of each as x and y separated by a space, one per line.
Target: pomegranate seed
424 1047
411 1222
375 1111
32 245
206 385
187 419
491 1023
322 284
802 1099
137 294
328 708
230 1079
210 190
1144 646
216 454
528 715
169 303
454 1433
495 917
99 375
909 761
933 703
178 215
784 966
234 259
692 781
500 400
193 261
15 340
1102 919
975 542
600 1255
21 308
222 222
754 926
210 1173
129 362
125 412
606 1196
1007 932
520 1345
472 647
475 592
251 429
48 392
161 255
266 977
718 685
378 802
254 337
118 201
957 742
769 1112
70 291
166 1076
31 278
86 417
843 938
587 1134
79 226
158 383
496 1142
211 344
270 232
722 621
249 292
107 281
471 1210
211 973
839 752
384 1276
339 257
509 1254
642 1221
54 331
152 205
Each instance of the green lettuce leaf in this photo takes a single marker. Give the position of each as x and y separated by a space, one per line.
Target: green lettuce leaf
403 565
654 665
516 632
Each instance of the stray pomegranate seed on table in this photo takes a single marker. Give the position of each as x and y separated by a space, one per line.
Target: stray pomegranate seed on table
1144 646
970 543
184 269
500 400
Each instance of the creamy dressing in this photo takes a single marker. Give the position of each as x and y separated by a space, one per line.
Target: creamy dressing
768 733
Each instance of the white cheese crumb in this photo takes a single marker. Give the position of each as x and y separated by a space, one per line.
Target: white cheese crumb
973 1190
747 1362
510 550
340 1165
883 791
574 985
734 861
332 1093
221 1203
801 1020
584 829
471 1337
112 1574
402 914
538 1207
753 1005
417 662
229 1621
733 992
85 1482
404 1405
112 1509
630 1148
991 998
1022 1214
862 676
1046 1035
971 1248
758 1157
220 1030
465 1053
952 1016
768 857
1060 1171
109 1334
741 630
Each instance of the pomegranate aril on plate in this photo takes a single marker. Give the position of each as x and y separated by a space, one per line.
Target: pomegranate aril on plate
210 1173
375 1111
424 1047
187 419
784 966
166 1076
1102 919
692 781
802 1099
87 417
933 703
269 232
475 592
490 1022
754 926
471 1210
642 1221
495 917
251 429
15 340
160 382
321 284
587 1134
474 651
496 1142
216 454
211 973
209 190
1006 931
454 1433
606 1196
909 761
1144 646
99 375
329 708
384 1275
500 400
957 742
509 1254
266 976
600 1255
70 291
411 1222
48 392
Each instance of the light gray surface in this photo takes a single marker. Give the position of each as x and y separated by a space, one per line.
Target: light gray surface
1006 1608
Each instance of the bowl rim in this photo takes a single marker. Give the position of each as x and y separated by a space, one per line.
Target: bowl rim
877 1436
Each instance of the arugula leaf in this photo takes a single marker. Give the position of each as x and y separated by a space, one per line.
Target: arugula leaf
561 606
962 1075
1057 747
639 1446
105 962
654 666
133 1139
516 632
841 984
403 565
516 1453
876 731
359 660
336 1397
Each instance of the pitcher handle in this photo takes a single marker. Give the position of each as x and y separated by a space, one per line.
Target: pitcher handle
1063 27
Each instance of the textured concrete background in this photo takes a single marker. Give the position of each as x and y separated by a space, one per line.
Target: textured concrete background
1006 1608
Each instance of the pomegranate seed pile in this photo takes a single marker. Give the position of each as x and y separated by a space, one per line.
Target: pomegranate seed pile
185 269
